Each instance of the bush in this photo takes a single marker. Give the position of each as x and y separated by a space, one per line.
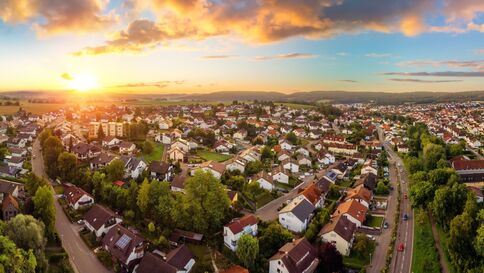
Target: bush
105 258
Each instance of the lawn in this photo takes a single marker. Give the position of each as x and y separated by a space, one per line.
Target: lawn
35 108
424 257
202 256
206 155
374 221
263 199
355 261
156 154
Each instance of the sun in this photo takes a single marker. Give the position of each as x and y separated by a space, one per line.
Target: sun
82 82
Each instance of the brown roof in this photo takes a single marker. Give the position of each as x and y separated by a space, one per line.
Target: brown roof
342 226
360 192
98 215
179 181
312 193
353 208
219 167
468 164
236 269
298 256
179 257
237 225
121 242
73 193
154 264
9 200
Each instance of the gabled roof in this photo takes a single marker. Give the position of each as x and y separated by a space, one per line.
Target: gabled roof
360 192
121 242
353 208
150 263
298 256
98 216
159 167
238 224
9 200
73 193
179 257
301 208
312 193
342 226
179 181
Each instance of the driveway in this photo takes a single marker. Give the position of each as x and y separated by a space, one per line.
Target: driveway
81 257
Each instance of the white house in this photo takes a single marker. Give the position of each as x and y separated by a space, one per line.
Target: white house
100 220
291 166
298 256
353 210
296 215
340 232
264 180
181 144
280 175
77 197
217 169
176 154
127 147
238 227
237 163
125 246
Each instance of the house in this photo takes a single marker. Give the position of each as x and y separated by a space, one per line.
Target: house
238 227
160 170
280 175
178 183
340 232
290 165
284 155
369 181
402 148
102 161
217 169
7 171
236 269
303 161
314 194
15 162
222 146
110 142
303 151
77 197
15 189
237 163
125 246
85 151
298 256
177 154
179 260
353 210
285 145
331 176
264 180
296 215
100 220
251 154
325 158
478 192
18 152
181 144
469 171
133 167
360 194
126 147
240 135
10 207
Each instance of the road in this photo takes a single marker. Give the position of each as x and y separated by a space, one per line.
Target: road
402 261
478 156
81 257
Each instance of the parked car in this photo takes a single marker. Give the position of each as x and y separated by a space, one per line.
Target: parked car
405 217
385 225
405 196
81 222
401 247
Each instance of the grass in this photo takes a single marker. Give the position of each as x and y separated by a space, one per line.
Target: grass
156 153
374 221
425 258
345 183
444 240
295 105
263 199
206 155
203 258
356 261
35 108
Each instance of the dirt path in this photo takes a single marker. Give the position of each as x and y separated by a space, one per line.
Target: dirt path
443 263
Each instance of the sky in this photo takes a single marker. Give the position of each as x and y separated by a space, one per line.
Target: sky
183 46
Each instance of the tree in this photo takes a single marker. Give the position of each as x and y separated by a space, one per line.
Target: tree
67 166
272 238
331 259
421 194
440 176
479 241
143 196
432 153
100 133
148 147
51 150
236 182
44 135
15 260
266 153
253 167
115 170
381 188
362 244
33 182
44 209
461 248
292 138
448 202
247 250
206 201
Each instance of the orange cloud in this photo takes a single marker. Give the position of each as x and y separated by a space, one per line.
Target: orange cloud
58 15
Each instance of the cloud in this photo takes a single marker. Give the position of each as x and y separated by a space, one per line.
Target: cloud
438 74
67 77
286 56
378 55
350 81
476 65
217 57
422 81
342 54
159 84
57 16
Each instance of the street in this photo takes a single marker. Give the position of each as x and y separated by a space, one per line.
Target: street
81 257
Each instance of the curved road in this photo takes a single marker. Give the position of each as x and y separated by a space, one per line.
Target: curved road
81 257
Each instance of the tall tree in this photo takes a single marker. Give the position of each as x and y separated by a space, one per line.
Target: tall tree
143 198
67 166
15 260
448 202
247 250
432 153
207 201
115 170
272 238
44 208
51 150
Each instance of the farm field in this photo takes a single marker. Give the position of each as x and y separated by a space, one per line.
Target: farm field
35 108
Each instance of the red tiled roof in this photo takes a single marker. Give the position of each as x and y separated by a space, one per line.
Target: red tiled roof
237 225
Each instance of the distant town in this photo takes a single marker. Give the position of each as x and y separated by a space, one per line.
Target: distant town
244 186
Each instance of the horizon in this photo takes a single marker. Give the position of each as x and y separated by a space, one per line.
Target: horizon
204 46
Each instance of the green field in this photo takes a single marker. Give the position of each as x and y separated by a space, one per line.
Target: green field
206 155
425 258
156 154
35 108
374 221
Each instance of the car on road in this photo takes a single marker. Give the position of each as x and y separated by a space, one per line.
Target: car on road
81 222
405 217
401 247
405 196
385 225
34 156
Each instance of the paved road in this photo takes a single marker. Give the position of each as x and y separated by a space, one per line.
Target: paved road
81 257
270 211
478 156
402 261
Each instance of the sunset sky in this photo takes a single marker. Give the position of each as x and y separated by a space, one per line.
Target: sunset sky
168 46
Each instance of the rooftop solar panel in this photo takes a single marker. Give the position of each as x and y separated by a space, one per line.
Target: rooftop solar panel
123 241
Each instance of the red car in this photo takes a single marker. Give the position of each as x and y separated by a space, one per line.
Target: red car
401 247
